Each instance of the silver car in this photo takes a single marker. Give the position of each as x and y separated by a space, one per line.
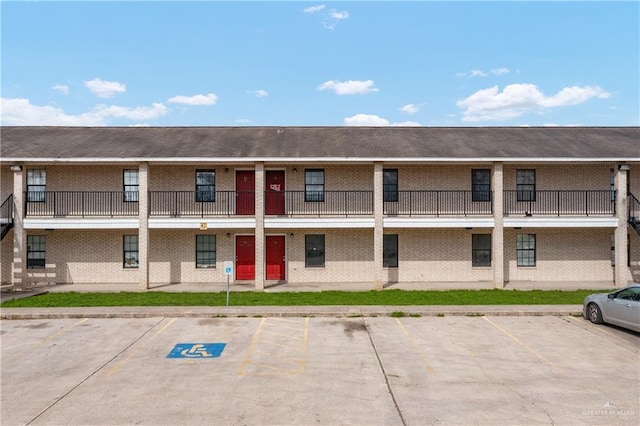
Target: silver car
621 308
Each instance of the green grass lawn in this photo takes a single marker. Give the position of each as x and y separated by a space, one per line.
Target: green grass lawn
387 297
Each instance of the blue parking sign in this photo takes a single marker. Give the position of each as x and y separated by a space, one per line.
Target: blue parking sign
197 350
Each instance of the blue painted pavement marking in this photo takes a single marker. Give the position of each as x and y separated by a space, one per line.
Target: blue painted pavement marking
197 350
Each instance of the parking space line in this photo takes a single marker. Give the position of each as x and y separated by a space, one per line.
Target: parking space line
264 353
416 349
46 339
139 348
524 345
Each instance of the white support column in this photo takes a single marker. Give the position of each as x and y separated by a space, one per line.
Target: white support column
621 270
378 230
497 240
19 264
143 228
259 232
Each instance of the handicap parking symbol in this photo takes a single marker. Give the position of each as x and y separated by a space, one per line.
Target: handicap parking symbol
197 350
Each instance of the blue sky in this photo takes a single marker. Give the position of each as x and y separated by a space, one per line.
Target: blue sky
320 63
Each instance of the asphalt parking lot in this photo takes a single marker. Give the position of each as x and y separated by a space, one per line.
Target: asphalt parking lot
485 370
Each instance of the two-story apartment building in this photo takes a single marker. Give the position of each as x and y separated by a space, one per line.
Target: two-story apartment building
319 204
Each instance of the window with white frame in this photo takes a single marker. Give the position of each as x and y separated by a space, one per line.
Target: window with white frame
131 185
314 185
390 251
526 249
206 185
205 251
481 250
526 184
130 251
36 251
314 250
37 185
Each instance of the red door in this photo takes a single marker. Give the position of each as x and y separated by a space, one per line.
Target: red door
275 257
245 257
245 192
274 196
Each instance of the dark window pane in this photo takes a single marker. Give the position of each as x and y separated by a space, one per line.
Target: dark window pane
314 250
481 250
390 251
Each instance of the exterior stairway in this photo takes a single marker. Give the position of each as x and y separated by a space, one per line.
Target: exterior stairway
6 216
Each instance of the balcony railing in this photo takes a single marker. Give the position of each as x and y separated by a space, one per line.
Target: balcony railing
438 203
6 211
81 203
323 203
560 203
320 203
201 204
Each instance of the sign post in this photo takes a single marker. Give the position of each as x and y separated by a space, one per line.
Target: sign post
228 271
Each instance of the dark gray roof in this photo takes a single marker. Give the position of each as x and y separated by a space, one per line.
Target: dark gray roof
79 143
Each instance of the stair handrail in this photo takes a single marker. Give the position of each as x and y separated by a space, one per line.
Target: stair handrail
634 208
6 209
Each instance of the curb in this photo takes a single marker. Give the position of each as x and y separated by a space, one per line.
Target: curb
285 311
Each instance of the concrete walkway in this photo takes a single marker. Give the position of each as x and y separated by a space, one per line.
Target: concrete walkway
317 311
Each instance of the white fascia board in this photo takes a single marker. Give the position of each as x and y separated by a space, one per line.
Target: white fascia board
196 223
81 223
297 160
318 222
435 222
560 222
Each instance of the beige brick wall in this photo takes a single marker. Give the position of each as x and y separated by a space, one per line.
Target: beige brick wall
436 255
562 255
6 182
348 256
84 178
6 257
634 255
336 178
564 177
435 177
183 178
83 256
173 256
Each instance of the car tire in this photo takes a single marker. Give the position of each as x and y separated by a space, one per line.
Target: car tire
594 313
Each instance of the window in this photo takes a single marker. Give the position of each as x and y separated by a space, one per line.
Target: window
36 250
612 184
205 251
526 249
390 251
613 249
314 185
131 185
37 185
206 185
526 184
314 250
481 250
481 185
390 185
130 252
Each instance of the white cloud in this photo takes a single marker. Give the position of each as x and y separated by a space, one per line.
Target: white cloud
209 99
500 71
314 9
21 112
477 73
351 87
62 88
374 120
105 89
328 18
481 73
517 99
259 93
410 108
